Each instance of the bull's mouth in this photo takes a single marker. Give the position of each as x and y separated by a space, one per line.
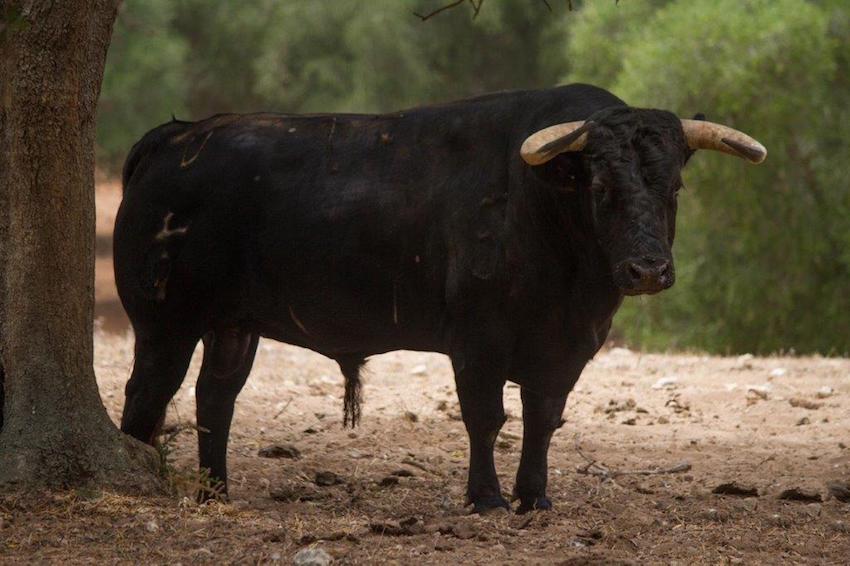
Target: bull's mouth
632 292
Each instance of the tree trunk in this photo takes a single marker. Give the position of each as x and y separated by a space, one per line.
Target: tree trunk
55 430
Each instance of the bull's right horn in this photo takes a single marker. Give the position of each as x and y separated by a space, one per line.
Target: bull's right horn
543 145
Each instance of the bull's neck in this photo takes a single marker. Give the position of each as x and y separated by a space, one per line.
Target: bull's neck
565 229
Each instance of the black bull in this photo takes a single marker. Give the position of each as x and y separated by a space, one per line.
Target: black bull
353 235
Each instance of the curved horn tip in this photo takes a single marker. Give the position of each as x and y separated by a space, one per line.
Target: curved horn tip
754 153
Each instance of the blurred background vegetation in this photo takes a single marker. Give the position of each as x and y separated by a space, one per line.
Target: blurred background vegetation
763 253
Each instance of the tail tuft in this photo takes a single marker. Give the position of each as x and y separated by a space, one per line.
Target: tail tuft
353 391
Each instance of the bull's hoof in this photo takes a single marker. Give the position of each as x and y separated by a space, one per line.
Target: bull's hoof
538 503
489 504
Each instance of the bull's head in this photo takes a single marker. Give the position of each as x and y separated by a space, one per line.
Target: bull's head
633 158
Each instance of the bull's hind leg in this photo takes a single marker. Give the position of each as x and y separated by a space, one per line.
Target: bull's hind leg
541 415
228 357
160 366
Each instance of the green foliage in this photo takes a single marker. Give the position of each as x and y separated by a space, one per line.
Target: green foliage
143 83
762 252
196 58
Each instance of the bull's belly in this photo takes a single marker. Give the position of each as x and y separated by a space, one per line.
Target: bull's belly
334 327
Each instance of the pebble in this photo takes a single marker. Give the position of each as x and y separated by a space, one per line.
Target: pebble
713 514
762 389
736 489
463 531
797 494
804 403
280 451
824 392
327 478
839 491
151 526
312 557
420 369
666 383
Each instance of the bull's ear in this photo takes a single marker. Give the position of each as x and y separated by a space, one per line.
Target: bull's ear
690 152
562 173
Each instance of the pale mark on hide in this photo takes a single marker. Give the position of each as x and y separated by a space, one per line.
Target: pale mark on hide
184 162
167 231
298 322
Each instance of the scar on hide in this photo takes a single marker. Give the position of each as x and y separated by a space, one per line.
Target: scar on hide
167 231
333 130
298 322
186 162
395 302
162 278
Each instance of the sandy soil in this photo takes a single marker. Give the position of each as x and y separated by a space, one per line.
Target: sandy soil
401 473
767 424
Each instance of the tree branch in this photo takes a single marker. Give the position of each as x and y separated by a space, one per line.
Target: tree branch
430 15
476 8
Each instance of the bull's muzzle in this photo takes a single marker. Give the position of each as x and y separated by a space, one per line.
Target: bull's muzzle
645 275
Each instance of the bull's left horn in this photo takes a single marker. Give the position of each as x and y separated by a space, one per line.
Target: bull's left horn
541 146
708 135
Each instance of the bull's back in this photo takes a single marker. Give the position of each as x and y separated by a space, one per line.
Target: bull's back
303 226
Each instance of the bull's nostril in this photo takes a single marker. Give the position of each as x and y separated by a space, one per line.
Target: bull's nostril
664 269
635 272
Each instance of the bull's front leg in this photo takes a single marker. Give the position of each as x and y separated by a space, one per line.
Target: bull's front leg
541 415
483 414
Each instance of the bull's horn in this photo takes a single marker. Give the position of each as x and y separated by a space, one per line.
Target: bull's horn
541 146
708 135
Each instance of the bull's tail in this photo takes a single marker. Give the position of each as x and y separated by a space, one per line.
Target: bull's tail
145 146
351 367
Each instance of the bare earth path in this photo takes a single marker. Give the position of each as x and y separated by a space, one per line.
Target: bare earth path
397 481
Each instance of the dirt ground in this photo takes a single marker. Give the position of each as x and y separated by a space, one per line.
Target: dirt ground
648 439
396 492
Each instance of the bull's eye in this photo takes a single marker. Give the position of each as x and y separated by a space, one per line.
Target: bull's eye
678 187
597 186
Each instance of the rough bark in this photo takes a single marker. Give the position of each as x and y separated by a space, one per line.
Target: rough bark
55 429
